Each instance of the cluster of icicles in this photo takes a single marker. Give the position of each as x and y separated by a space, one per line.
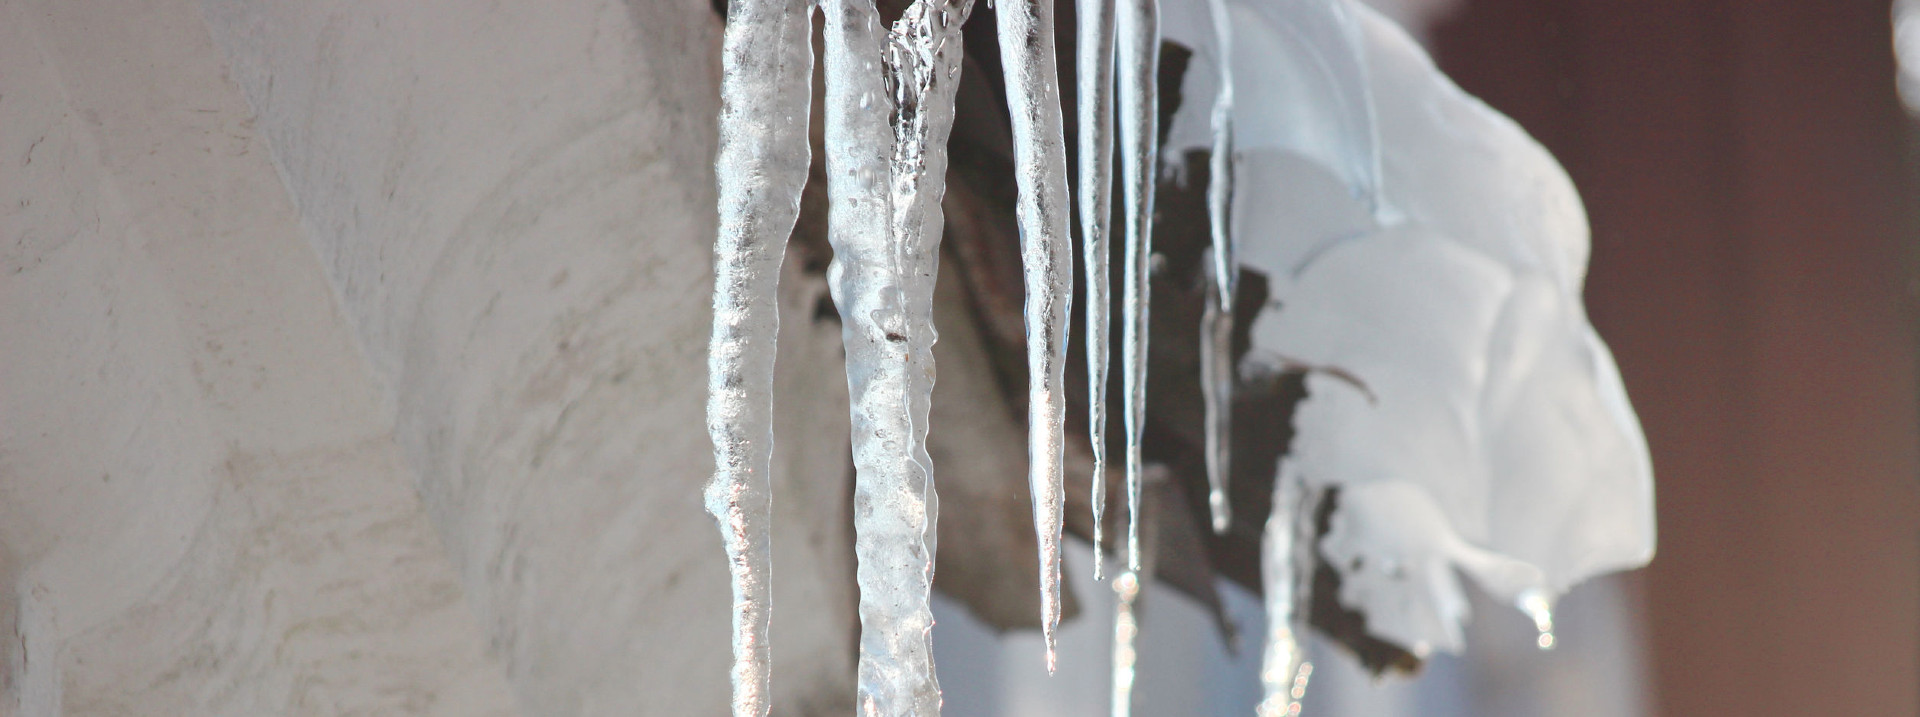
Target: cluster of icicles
889 108
1516 389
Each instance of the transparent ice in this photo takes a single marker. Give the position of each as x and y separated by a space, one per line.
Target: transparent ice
1285 565
1216 325
1424 260
889 108
1040 171
767 66
1139 51
1095 83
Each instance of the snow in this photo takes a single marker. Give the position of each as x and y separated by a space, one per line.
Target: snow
1425 259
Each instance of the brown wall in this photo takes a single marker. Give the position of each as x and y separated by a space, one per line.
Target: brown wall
1745 165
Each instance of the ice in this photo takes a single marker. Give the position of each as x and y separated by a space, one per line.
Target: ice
1216 330
1285 565
1095 80
889 102
1216 396
1139 60
1040 171
1300 85
1425 260
1424 257
761 167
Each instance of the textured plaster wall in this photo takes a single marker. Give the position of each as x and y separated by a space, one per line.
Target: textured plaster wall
352 362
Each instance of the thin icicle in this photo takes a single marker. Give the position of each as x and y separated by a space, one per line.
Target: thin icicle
1220 165
1216 343
1096 210
1285 558
885 179
1216 390
1126 627
767 65
1139 61
1040 171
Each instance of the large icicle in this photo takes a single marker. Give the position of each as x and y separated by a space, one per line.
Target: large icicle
767 66
924 51
1139 52
885 178
1096 210
1040 171
1284 559
1216 332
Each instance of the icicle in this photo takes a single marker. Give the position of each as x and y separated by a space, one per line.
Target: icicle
767 65
886 177
1040 171
1285 559
1096 210
1126 627
1139 52
1216 393
1216 342
1535 605
1220 165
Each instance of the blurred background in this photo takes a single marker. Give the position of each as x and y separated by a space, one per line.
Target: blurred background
1748 168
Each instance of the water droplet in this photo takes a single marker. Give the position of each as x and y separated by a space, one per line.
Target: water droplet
1536 606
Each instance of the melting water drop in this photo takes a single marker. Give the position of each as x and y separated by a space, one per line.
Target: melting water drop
1126 629
1537 607
1299 690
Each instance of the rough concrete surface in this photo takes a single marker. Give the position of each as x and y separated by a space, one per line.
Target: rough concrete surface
352 362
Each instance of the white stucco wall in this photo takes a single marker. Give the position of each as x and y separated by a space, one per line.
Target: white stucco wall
351 362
